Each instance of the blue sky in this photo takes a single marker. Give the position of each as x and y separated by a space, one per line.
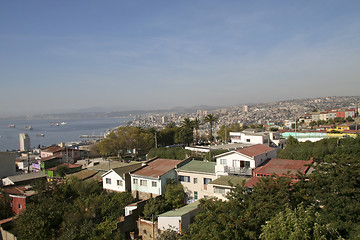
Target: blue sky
60 56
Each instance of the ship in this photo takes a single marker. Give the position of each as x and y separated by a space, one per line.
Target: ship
28 127
40 135
11 125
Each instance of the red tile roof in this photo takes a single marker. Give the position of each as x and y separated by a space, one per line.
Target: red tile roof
283 167
157 167
255 150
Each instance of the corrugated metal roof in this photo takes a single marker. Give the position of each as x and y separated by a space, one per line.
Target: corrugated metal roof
126 169
199 166
157 167
27 176
283 167
255 150
83 174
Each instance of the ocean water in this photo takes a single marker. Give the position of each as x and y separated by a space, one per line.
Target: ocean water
70 132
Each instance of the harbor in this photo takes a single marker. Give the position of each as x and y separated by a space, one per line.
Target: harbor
44 134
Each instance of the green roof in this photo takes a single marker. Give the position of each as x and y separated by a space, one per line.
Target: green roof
224 180
181 211
199 166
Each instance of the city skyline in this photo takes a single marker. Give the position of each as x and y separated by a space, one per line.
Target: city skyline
65 56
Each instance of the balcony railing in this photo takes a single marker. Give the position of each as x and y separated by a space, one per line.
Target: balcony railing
238 171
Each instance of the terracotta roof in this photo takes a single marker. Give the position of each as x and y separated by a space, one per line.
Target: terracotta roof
52 149
283 167
255 150
157 167
23 190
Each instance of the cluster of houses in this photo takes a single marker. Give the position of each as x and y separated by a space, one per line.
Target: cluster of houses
148 179
200 179
329 114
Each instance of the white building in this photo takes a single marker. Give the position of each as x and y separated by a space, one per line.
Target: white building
24 142
179 219
150 180
118 179
258 136
243 161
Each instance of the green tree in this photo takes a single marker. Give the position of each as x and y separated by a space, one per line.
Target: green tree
174 195
5 207
300 223
211 119
124 140
154 207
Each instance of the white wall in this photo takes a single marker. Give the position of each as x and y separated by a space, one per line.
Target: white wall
165 223
148 188
113 186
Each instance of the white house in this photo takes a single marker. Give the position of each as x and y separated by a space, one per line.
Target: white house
258 136
179 219
243 161
151 179
118 179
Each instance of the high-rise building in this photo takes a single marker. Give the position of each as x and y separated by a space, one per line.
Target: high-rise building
24 142
245 109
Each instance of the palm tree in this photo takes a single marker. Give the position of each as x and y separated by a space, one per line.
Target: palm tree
210 118
195 124
187 123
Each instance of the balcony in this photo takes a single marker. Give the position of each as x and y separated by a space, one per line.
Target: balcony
227 170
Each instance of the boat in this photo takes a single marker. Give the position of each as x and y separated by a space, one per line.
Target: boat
54 124
11 125
40 135
28 127
63 123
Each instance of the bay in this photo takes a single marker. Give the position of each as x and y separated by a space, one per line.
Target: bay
69 132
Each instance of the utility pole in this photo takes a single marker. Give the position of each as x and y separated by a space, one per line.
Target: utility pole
155 140
28 162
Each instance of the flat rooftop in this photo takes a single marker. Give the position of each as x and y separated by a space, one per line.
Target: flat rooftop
181 211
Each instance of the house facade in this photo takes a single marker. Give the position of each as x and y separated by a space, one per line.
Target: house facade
118 179
151 179
195 177
243 161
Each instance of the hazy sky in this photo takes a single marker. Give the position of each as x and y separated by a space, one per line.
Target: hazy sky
59 56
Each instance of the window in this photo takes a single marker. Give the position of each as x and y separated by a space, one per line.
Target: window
108 180
195 181
223 162
236 163
219 190
196 196
247 140
20 206
143 183
119 182
135 181
247 164
184 178
207 181
154 184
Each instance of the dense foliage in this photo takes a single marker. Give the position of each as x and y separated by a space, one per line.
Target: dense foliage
72 210
125 140
173 198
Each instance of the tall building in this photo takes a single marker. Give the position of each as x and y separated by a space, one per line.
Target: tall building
245 109
24 142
